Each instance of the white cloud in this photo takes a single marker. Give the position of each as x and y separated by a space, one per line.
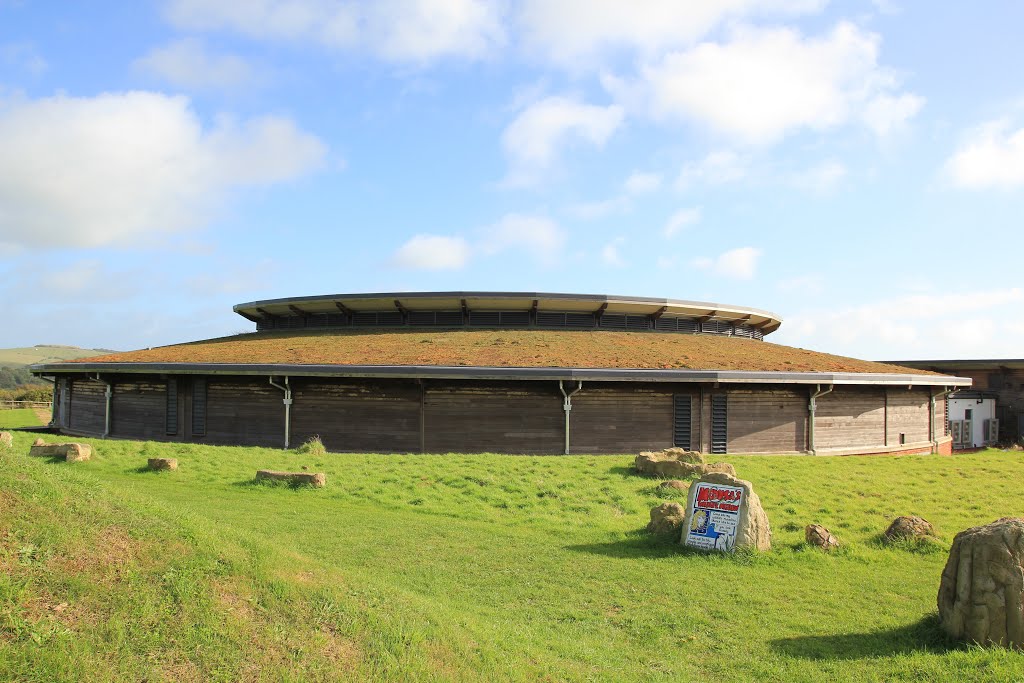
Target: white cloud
885 113
611 255
954 324
638 183
822 178
763 84
642 183
573 32
23 56
186 63
539 236
533 140
601 208
739 264
84 172
992 155
717 168
680 220
433 252
405 31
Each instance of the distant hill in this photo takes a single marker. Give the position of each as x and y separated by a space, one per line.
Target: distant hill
45 353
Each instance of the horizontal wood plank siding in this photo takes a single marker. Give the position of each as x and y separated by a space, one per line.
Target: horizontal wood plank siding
139 408
88 406
767 420
908 414
849 417
498 417
243 412
380 417
623 418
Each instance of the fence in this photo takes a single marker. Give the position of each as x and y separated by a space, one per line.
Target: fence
12 405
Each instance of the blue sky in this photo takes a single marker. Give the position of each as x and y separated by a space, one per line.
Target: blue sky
857 167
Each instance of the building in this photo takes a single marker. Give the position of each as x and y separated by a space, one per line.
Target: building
1003 377
972 419
504 372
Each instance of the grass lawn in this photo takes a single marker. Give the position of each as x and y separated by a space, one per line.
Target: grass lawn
472 567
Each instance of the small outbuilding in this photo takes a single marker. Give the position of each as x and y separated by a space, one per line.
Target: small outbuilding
506 372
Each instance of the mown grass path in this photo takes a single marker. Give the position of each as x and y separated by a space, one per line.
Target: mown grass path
488 567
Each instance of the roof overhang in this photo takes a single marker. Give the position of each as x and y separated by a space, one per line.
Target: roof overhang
504 373
766 321
964 364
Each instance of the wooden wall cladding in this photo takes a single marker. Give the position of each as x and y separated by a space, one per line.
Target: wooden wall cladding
243 412
767 420
381 417
139 408
497 417
849 417
621 418
908 411
88 406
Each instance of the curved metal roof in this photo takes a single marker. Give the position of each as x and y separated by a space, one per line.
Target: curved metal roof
766 321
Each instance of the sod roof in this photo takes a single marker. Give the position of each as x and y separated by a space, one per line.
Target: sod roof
504 348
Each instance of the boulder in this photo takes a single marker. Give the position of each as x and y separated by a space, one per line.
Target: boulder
909 527
71 452
6 440
666 518
677 462
675 484
162 463
720 467
981 593
315 479
724 513
682 455
819 536
38 442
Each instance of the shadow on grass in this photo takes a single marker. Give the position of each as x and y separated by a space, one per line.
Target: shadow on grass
922 636
640 544
272 484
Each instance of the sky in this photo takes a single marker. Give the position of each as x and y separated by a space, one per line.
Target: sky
857 168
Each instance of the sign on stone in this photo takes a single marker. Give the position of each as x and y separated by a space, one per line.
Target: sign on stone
715 516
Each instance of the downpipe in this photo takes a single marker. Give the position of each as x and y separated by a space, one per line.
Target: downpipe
567 406
287 389
108 395
934 438
812 407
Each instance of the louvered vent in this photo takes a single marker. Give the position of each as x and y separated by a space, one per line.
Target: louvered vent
682 409
719 431
945 416
198 406
172 406
484 318
613 321
638 322
715 327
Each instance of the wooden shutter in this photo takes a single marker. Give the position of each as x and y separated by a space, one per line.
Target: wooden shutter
719 427
199 406
682 405
172 407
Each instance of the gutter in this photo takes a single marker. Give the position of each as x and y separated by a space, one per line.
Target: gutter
498 373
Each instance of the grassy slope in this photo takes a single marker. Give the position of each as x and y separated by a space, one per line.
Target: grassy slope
475 568
44 354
